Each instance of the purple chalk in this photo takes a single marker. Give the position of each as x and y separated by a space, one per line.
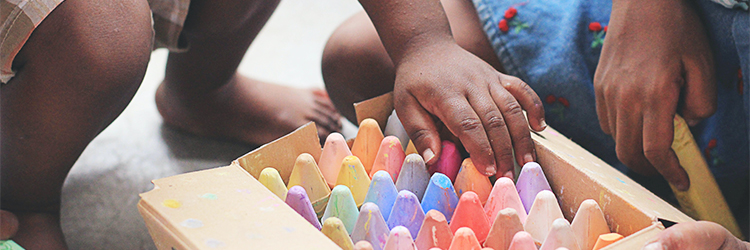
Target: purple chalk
414 176
406 212
371 226
298 200
531 181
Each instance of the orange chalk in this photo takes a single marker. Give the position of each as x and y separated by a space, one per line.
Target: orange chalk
505 226
354 176
504 195
334 151
588 224
390 157
522 241
307 175
367 143
434 232
606 239
470 179
469 213
410 148
465 240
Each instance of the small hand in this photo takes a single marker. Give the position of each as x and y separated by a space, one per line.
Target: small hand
8 225
703 235
479 105
655 59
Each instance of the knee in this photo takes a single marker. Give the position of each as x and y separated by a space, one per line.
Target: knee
353 48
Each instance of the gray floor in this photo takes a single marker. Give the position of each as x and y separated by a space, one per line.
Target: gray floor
100 195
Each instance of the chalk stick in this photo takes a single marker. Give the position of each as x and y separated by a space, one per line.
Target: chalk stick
589 223
390 157
400 239
531 180
270 178
363 245
334 229
522 241
560 235
506 224
410 148
406 212
606 240
449 161
334 151
470 179
394 127
307 175
440 195
371 226
465 239
367 142
434 232
297 199
353 175
469 213
543 213
382 192
504 195
341 205
414 176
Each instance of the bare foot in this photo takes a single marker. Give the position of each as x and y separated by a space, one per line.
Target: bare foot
248 111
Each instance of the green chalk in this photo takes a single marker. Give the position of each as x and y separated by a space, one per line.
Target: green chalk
9 245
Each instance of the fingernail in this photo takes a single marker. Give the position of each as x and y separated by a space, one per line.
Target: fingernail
428 155
681 186
509 174
543 123
653 246
490 171
527 158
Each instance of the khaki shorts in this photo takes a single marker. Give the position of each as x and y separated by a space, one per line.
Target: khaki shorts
21 17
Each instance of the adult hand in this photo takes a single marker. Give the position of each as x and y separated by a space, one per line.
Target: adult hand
479 105
8 225
655 59
703 235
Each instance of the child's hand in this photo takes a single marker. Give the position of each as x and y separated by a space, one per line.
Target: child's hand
8 225
704 235
655 55
479 105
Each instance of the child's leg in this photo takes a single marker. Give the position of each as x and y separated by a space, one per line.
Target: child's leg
356 66
203 94
76 73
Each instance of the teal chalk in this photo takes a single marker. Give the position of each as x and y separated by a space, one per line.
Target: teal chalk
407 212
382 192
9 245
414 176
341 205
440 195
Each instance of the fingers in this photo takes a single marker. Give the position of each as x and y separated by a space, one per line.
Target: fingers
516 125
462 120
420 127
629 143
9 225
528 99
658 134
699 90
601 106
496 129
702 235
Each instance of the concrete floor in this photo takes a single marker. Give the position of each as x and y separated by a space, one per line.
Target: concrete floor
100 195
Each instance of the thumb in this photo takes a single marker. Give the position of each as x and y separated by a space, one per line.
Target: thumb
703 235
8 225
699 92
421 128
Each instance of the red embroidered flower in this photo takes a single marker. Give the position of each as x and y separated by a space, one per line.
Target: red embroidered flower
510 13
740 84
503 25
605 28
711 144
550 99
595 26
564 101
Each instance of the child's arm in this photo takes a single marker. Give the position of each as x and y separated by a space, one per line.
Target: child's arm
435 78
655 55
697 235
